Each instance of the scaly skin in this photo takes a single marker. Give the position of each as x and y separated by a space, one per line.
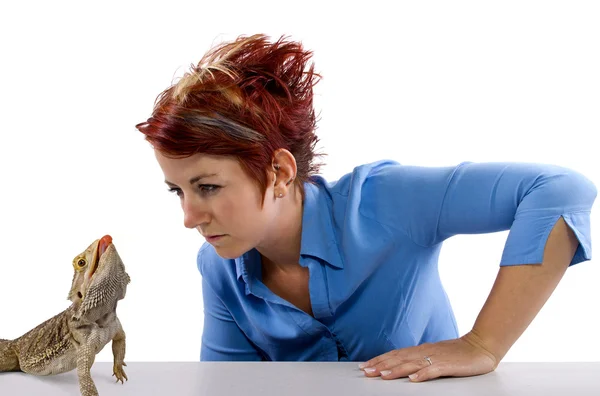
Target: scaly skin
72 338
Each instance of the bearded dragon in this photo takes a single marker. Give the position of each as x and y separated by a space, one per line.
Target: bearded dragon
72 338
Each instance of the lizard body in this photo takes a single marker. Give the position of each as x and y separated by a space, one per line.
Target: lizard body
71 339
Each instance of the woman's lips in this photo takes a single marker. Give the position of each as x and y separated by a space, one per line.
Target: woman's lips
214 238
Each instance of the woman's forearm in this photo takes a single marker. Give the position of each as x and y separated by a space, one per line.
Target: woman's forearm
519 293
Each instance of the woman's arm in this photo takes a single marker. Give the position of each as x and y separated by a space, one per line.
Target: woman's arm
222 339
546 209
520 292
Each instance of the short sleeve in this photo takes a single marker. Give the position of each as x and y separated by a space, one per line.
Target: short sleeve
431 204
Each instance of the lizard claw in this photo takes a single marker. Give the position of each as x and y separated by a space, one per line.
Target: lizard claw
119 373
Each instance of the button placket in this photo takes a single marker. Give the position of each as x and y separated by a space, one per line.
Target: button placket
317 287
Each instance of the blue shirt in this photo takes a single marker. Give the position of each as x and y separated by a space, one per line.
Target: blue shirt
371 242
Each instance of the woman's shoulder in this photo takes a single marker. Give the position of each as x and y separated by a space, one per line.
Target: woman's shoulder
355 179
384 179
367 190
400 197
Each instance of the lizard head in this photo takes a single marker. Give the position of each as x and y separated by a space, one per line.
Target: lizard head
99 275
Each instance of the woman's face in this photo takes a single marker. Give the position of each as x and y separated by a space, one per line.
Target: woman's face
220 201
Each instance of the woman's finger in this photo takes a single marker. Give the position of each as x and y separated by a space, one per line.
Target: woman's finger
381 363
404 354
369 364
404 369
428 373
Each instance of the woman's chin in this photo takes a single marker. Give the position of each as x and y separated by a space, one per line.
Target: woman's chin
229 252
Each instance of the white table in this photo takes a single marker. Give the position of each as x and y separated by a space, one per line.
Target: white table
308 379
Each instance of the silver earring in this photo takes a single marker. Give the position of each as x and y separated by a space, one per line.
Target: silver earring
280 195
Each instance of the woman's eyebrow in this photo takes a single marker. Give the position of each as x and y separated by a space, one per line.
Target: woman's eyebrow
195 178
202 176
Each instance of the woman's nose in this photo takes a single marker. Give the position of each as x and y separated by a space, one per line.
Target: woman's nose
194 213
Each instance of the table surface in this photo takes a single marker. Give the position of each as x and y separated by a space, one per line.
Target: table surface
307 378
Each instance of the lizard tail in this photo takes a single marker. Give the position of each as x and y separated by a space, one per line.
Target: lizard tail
8 357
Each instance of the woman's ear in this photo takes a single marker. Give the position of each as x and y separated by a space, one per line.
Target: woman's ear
285 169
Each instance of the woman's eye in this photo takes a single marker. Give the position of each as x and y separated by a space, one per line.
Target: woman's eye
205 189
176 191
208 189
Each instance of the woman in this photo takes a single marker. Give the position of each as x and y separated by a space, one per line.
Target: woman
298 268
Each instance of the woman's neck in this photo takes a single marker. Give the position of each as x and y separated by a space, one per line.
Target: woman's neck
280 251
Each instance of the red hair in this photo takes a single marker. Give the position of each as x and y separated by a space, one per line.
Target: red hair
245 99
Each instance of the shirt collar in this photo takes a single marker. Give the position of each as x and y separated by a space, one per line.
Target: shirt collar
318 237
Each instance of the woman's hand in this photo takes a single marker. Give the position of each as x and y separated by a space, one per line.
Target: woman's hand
461 357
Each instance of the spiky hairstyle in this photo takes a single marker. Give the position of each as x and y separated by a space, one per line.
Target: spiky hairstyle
245 99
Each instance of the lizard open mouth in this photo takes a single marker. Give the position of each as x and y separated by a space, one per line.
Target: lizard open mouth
103 244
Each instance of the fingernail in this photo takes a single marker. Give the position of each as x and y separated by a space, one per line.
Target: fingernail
370 370
386 372
413 376
362 365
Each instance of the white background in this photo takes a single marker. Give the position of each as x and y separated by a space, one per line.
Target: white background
425 83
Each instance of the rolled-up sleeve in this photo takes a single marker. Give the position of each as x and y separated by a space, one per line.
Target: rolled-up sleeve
530 198
435 203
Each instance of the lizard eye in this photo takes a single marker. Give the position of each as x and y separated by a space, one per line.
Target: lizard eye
81 263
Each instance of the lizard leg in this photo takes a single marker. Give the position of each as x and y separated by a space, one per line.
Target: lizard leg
85 360
8 357
118 349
